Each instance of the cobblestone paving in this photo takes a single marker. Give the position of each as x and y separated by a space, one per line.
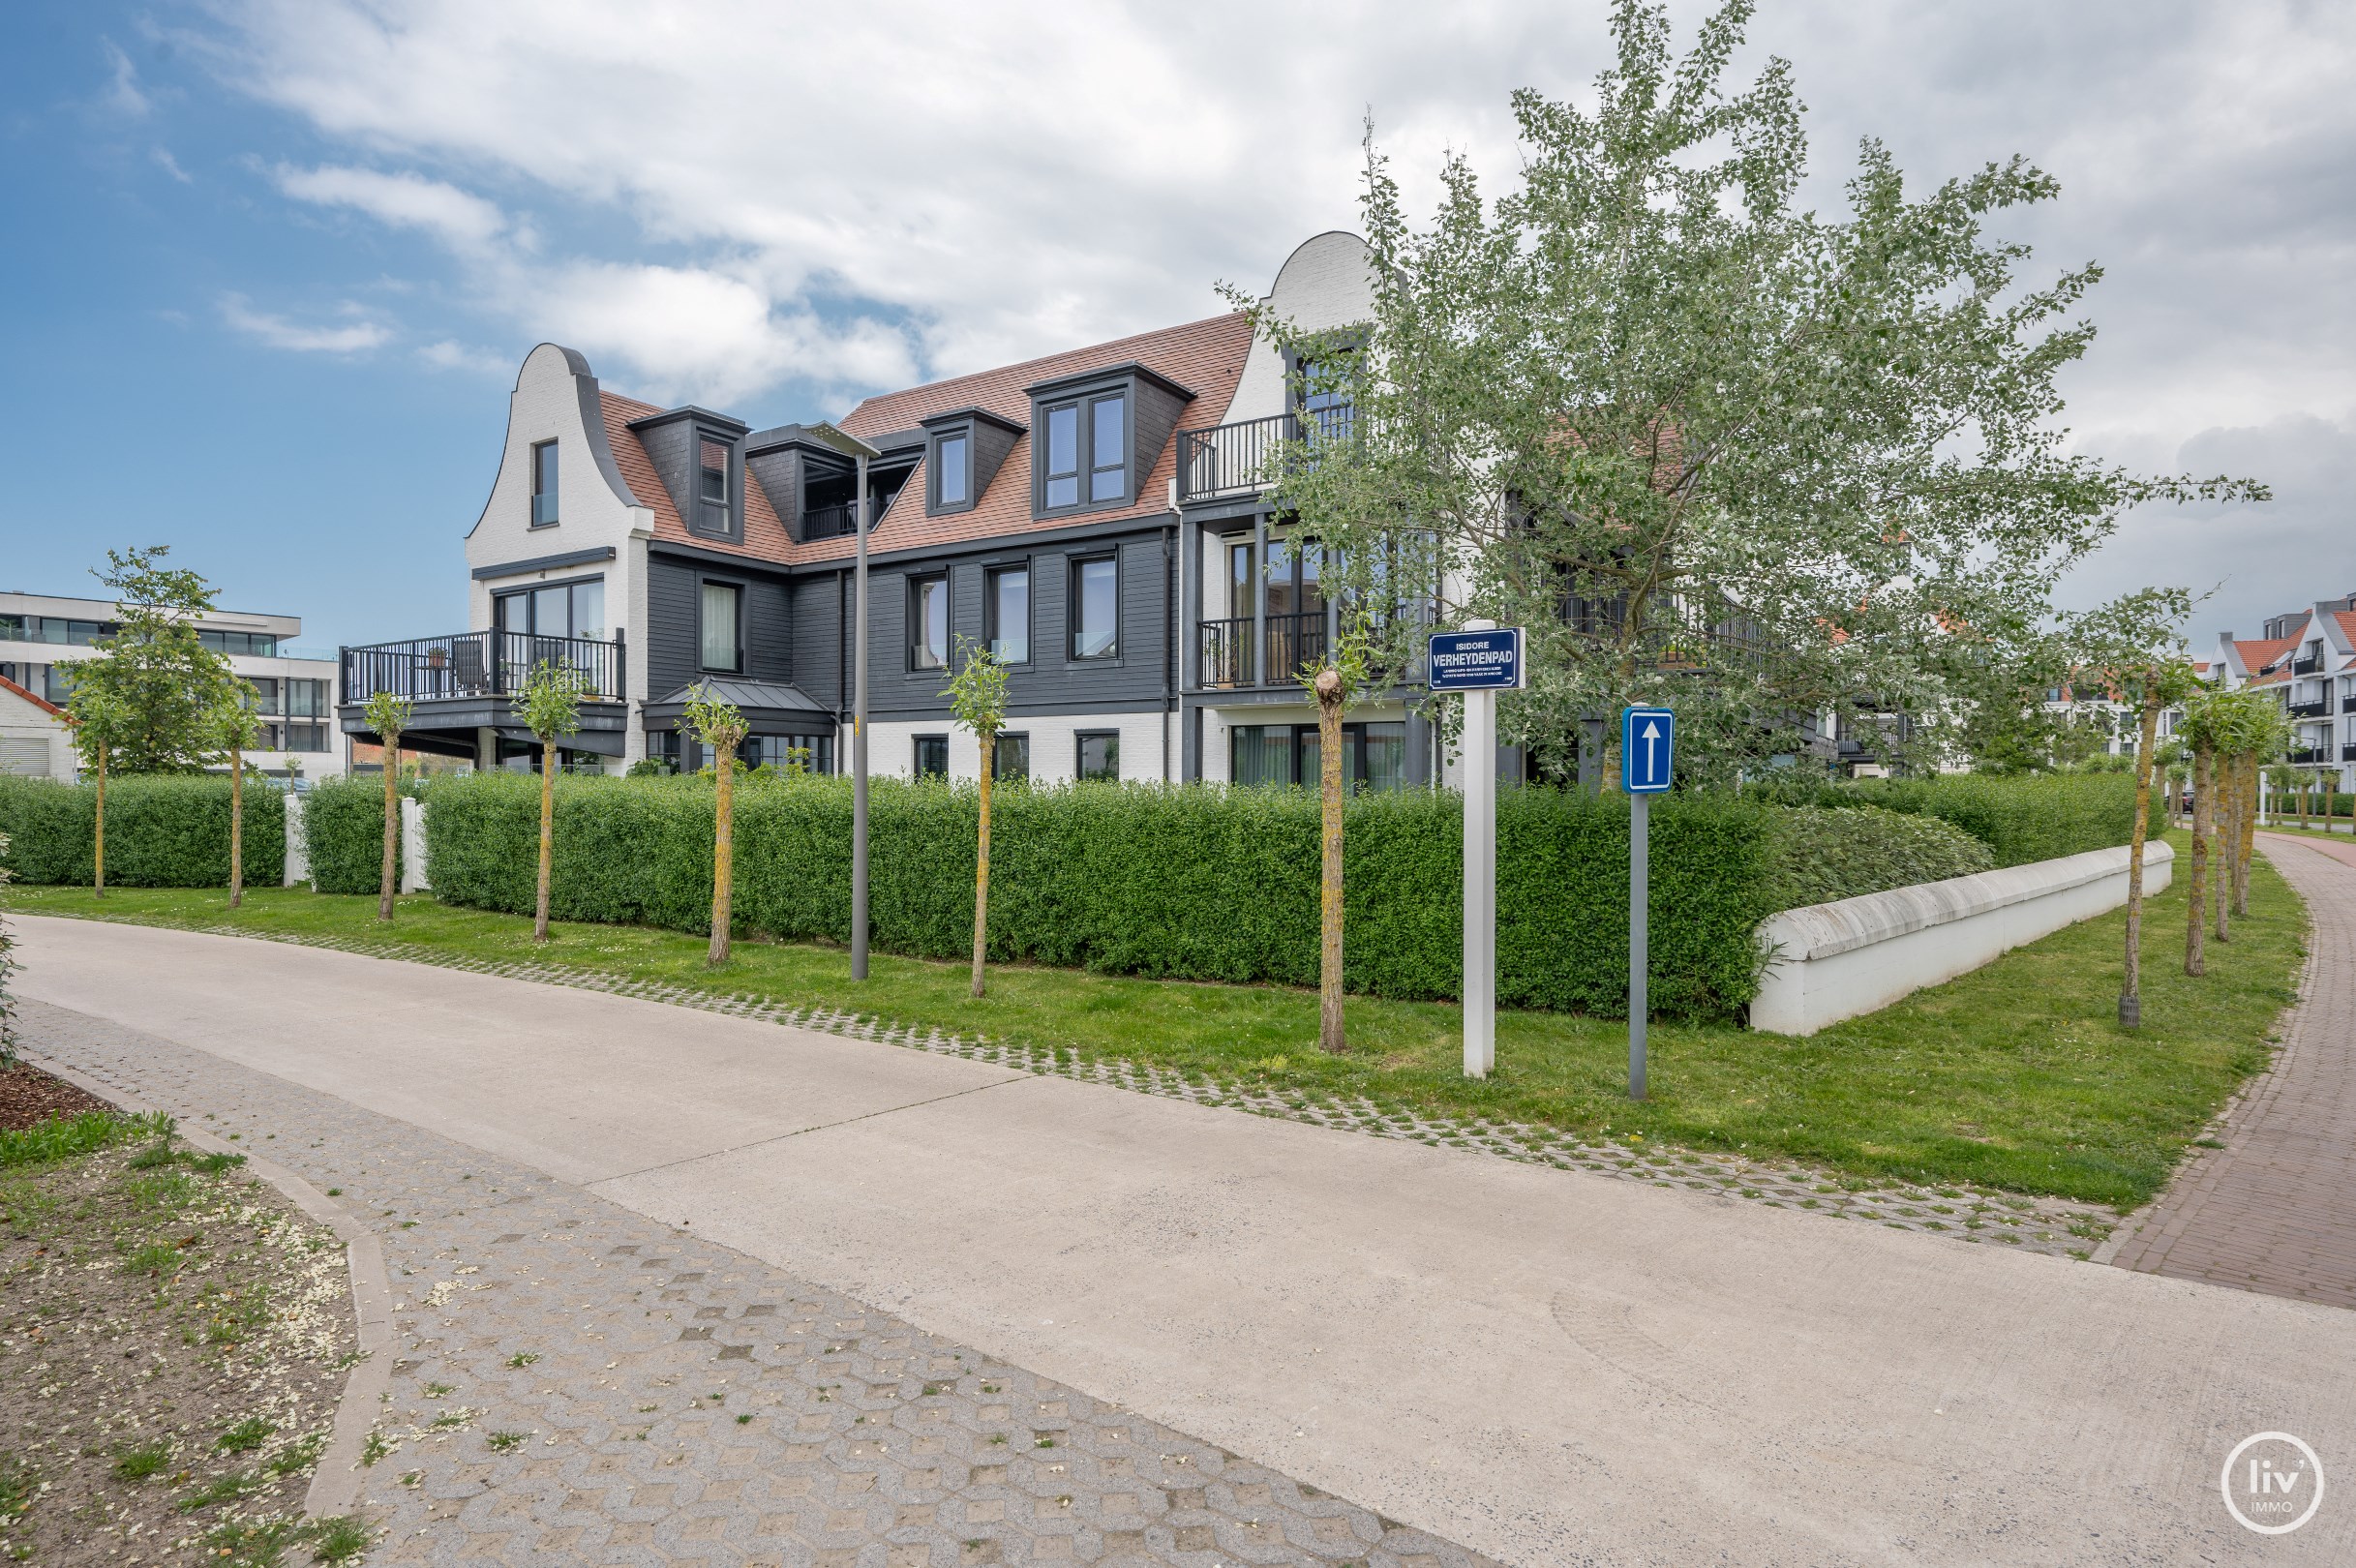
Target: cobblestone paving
577 1383
2057 1226
2275 1210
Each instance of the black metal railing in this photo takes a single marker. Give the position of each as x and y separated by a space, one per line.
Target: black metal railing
1293 641
474 664
2314 709
1227 652
1233 460
831 521
2310 754
2307 665
2347 753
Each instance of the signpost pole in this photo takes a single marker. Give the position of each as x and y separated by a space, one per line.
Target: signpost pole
1480 882
859 740
1640 954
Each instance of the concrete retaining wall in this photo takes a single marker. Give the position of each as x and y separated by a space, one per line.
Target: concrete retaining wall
1856 955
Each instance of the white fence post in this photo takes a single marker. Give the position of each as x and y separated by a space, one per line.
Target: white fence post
413 847
298 848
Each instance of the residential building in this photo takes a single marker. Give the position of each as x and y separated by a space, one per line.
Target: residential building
41 636
2306 657
1093 517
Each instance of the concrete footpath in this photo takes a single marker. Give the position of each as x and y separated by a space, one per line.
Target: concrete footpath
1539 1365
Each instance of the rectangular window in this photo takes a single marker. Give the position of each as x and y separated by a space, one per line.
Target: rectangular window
1096 596
721 644
306 738
951 477
1108 450
1373 755
1013 758
928 622
57 684
306 699
265 694
543 484
588 610
932 756
1260 754
1100 755
552 612
712 491
1063 455
1009 615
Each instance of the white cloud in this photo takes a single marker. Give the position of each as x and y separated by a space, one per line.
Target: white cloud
465 222
452 355
169 164
123 95
358 335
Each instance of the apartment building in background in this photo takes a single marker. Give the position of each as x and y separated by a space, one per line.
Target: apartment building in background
42 636
2307 658
1094 517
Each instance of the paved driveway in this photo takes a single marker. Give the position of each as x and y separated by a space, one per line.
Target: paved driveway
1541 1366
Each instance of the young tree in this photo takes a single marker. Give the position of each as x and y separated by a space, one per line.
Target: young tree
388 716
98 723
2134 647
2204 718
550 703
236 731
7 967
153 671
1333 682
715 722
1710 447
976 694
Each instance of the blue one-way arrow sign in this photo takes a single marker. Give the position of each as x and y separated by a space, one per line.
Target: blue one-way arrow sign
1648 750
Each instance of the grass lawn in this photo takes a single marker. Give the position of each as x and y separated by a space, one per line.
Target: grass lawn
2016 1077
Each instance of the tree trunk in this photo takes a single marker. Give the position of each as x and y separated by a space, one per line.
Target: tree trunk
237 828
392 823
2197 887
98 843
1328 687
2307 794
2247 842
2226 777
548 837
2131 990
723 852
981 856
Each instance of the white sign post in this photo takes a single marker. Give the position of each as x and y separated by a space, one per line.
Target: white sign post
1480 661
1647 763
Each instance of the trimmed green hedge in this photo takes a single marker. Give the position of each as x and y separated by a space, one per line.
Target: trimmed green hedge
2020 818
1194 883
1828 855
167 831
344 835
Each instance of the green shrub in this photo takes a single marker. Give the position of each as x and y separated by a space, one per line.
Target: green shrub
1196 882
344 835
2020 817
1824 854
162 831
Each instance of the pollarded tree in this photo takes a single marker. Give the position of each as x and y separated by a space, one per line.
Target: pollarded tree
976 694
1712 448
389 716
550 703
236 731
1333 681
98 722
2134 646
716 722
7 967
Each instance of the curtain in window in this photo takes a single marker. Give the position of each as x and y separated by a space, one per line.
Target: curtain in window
719 638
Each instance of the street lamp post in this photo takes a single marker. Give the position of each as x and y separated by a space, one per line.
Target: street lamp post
862 453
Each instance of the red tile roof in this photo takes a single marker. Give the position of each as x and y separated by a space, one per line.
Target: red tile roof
1205 357
41 703
2257 655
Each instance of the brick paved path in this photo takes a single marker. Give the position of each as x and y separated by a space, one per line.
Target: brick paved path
578 1384
2275 1210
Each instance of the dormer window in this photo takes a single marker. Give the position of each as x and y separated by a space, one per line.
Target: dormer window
543 484
1102 459
1064 456
952 471
962 453
1096 435
1108 449
712 496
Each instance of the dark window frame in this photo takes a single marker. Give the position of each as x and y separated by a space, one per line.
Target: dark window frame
990 573
917 582
934 505
1081 399
737 587
1079 743
732 481
998 743
568 584
1072 608
549 495
915 761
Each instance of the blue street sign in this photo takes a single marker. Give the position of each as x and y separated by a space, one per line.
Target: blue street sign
1477 660
1648 750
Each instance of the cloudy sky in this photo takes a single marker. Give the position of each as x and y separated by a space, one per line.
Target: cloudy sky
273 263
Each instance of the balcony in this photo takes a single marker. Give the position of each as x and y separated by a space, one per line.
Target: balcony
2307 756
1293 641
1233 460
2307 665
2314 709
2347 753
831 521
459 685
